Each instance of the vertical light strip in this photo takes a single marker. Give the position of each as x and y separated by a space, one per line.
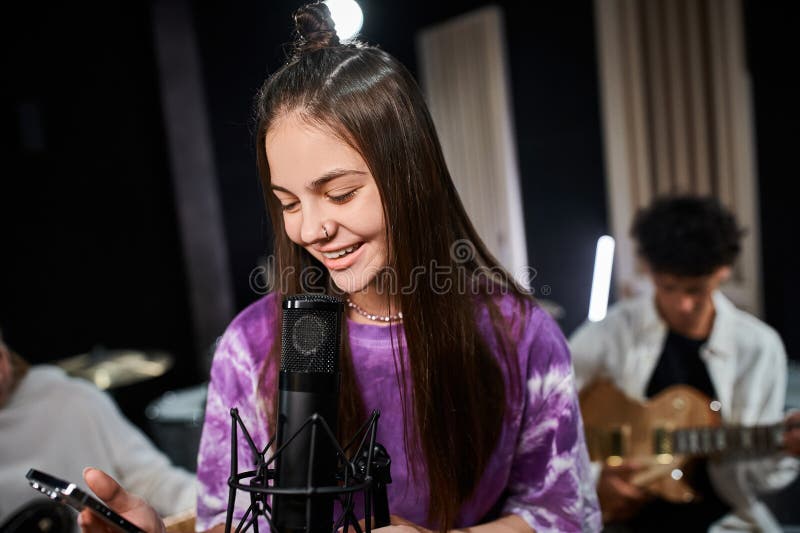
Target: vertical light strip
601 279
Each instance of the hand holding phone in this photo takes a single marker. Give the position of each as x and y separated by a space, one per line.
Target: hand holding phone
124 512
69 494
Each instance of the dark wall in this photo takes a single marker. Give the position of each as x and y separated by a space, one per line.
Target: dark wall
90 251
238 48
772 46
554 88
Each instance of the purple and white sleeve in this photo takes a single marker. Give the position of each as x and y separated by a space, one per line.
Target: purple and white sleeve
234 383
550 485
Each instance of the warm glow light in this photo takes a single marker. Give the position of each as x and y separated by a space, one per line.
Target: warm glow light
601 280
347 17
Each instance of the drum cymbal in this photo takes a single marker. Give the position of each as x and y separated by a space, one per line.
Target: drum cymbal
114 368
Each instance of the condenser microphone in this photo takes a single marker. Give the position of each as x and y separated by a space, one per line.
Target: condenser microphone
308 385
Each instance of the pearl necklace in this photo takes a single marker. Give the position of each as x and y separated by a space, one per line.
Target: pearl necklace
377 318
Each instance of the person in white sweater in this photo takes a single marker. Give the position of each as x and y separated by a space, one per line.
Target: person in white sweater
60 425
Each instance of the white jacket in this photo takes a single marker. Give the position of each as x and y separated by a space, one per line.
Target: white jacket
746 361
60 425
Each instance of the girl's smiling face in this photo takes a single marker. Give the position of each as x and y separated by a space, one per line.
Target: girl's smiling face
320 180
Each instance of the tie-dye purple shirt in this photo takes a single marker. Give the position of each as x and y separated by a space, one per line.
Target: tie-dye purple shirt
539 469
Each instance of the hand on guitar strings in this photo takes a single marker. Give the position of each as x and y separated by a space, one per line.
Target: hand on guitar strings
620 499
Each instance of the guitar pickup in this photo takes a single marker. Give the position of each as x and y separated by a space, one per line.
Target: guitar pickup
663 445
618 446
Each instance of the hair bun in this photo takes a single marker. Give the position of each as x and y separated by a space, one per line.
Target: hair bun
315 29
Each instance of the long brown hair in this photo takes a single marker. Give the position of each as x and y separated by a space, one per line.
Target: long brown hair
368 99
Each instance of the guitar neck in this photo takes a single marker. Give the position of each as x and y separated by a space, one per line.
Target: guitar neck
728 440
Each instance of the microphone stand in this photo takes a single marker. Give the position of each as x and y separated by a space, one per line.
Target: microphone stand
380 466
368 472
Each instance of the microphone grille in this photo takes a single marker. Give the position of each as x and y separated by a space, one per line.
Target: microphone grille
311 333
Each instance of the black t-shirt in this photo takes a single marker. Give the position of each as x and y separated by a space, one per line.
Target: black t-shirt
680 363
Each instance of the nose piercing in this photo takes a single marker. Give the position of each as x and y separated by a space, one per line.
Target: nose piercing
325 231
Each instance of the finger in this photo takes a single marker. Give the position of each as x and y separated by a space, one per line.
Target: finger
89 523
627 490
627 468
108 490
83 521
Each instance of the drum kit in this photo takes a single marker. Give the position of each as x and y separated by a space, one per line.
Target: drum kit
175 419
109 369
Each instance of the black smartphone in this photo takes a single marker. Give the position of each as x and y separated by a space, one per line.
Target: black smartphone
69 494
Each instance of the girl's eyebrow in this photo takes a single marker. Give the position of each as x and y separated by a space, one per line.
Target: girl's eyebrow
317 184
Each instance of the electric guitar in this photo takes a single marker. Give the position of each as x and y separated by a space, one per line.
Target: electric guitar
665 433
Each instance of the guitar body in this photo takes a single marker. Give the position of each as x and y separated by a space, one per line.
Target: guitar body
622 430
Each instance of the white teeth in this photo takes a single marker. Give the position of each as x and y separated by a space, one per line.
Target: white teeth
339 253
